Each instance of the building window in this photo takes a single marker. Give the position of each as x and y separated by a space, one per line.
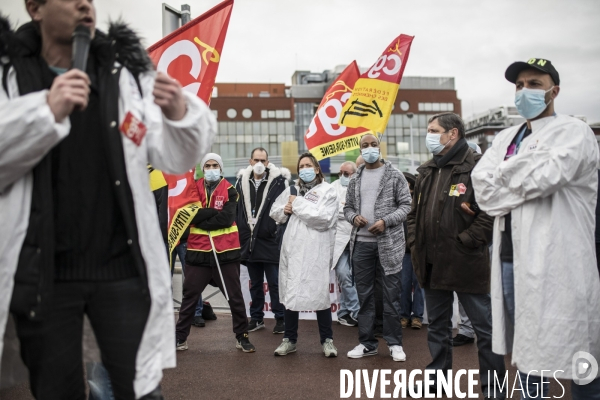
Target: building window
404 105
264 114
247 113
271 113
264 94
436 107
215 113
215 92
231 113
250 94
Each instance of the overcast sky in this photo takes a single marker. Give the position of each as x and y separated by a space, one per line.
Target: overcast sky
471 40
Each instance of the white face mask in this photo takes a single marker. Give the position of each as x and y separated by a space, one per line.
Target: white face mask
259 168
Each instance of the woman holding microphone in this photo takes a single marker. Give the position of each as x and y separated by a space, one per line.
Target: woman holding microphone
310 210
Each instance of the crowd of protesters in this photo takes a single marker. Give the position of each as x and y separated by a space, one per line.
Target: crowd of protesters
402 246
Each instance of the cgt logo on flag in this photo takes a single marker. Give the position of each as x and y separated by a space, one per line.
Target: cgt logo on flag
375 92
192 53
324 136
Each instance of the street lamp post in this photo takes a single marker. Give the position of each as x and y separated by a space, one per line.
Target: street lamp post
412 153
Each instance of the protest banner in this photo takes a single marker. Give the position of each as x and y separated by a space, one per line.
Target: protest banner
192 53
334 294
324 136
375 92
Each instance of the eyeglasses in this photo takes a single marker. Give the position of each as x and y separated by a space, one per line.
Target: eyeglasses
346 174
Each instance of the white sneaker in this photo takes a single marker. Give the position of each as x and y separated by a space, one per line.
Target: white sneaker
360 351
329 349
397 353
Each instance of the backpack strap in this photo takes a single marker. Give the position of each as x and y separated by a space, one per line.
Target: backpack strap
293 191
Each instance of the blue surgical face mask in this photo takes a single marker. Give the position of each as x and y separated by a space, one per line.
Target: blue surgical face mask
432 141
307 175
370 154
344 180
212 175
531 102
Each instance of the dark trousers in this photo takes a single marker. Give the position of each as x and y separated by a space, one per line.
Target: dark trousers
323 319
257 272
478 307
52 349
379 301
196 280
365 261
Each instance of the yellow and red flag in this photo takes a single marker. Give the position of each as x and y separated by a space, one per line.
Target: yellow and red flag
184 203
324 136
375 91
191 54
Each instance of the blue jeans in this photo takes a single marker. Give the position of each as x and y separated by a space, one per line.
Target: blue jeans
590 391
180 251
257 272
411 302
99 382
465 327
348 296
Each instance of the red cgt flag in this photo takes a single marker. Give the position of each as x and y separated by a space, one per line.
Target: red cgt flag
325 137
192 53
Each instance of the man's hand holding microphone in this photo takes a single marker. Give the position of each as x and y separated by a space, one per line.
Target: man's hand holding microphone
71 90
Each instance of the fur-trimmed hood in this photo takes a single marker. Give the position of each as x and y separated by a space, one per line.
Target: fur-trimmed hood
243 176
121 44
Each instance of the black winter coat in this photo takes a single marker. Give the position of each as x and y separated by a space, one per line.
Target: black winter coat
460 259
259 244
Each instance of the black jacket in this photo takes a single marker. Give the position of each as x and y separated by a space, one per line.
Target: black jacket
34 277
459 253
211 219
259 244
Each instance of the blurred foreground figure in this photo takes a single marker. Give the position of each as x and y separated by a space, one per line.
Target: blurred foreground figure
78 229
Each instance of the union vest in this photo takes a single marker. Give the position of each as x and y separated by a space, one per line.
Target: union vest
225 239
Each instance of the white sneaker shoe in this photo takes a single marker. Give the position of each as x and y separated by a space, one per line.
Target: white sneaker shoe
397 353
329 349
361 351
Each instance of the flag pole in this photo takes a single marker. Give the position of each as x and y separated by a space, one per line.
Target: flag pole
212 244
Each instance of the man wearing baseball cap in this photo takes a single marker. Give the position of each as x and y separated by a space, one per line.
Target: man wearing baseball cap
539 180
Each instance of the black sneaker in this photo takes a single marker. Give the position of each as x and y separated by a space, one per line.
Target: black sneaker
244 344
347 320
279 326
460 340
255 325
199 321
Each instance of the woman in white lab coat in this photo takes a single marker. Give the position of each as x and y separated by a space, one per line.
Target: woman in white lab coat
306 252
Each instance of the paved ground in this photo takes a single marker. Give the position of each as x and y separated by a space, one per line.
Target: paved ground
213 368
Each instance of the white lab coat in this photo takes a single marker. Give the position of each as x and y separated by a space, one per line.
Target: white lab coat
550 189
307 248
28 132
344 228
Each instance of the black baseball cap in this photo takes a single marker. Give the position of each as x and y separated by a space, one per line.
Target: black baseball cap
541 64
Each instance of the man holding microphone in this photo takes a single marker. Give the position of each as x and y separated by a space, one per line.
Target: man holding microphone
78 232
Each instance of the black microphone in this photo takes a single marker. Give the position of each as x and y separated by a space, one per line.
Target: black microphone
81 47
